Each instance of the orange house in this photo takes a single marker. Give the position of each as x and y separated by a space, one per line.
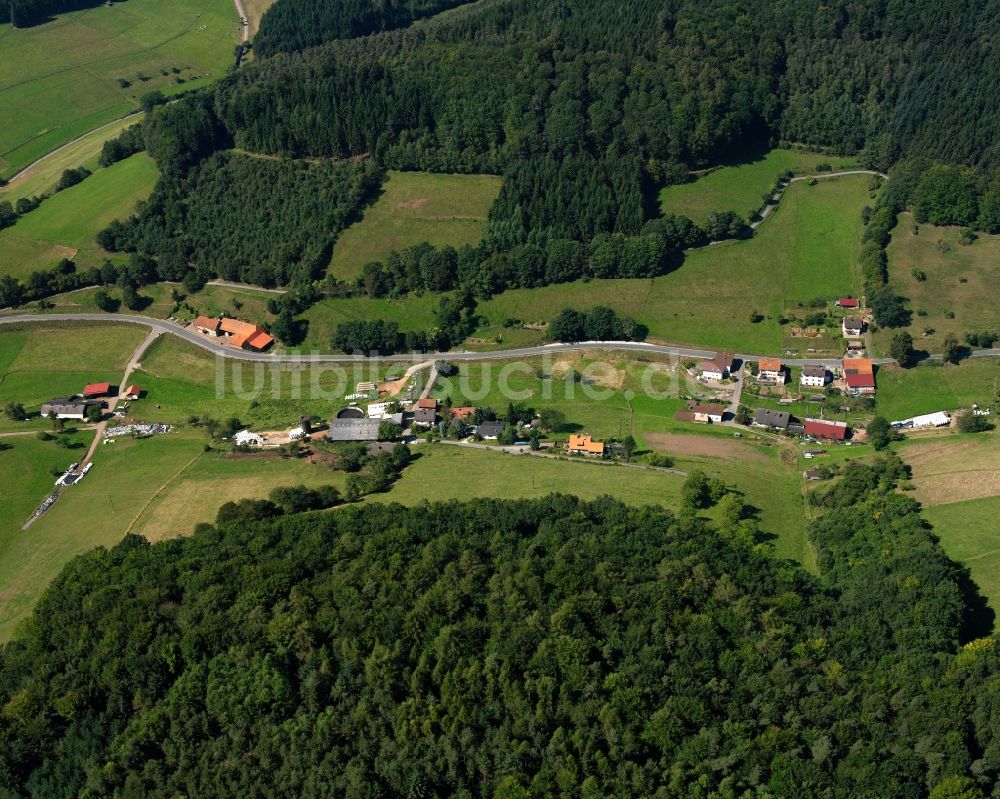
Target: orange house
585 445
245 335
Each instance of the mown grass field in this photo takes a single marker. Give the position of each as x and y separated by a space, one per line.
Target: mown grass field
957 480
42 177
65 224
933 386
807 249
974 303
740 187
60 78
415 207
41 361
969 534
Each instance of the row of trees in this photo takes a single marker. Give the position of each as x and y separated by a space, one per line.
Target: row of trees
598 324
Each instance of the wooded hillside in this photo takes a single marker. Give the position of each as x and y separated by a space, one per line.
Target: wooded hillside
509 649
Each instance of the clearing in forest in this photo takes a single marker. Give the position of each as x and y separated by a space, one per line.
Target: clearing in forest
415 207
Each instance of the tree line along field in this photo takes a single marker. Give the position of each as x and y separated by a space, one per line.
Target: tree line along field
60 79
936 386
808 248
956 478
65 224
741 186
960 286
415 207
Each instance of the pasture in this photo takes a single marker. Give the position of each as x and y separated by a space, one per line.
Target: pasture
64 225
412 208
957 480
961 291
41 361
936 386
740 187
82 69
808 248
969 534
41 178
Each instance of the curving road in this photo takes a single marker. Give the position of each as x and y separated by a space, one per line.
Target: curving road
226 351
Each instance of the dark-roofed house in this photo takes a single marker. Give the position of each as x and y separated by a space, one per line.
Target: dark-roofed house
66 408
425 412
490 430
812 474
353 430
813 374
719 367
852 327
820 428
776 420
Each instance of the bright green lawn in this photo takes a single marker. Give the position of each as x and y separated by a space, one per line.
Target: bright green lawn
415 207
969 534
933 387
807 249
740 187
59 80
42 178
66 223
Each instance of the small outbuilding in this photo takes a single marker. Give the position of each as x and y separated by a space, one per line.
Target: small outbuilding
353 429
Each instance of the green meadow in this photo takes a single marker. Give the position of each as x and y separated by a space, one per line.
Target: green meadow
808 248
960 289
61 79
41 361
740 187
41 178
936 386
415 207
64 225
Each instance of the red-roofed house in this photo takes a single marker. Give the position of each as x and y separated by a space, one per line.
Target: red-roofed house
848 302
820 428
207 326
133 392
859 373
771 371
95 390
245 335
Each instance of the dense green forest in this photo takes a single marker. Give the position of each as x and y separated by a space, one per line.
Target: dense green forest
511 649
296 24
255 220
586 108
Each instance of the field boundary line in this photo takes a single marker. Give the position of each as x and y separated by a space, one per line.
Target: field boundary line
160 490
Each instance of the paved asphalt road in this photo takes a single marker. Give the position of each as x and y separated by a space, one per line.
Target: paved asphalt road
226 351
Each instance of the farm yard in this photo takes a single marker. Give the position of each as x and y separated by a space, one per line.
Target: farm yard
415 207
38 362
85 68
740 187
64 225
